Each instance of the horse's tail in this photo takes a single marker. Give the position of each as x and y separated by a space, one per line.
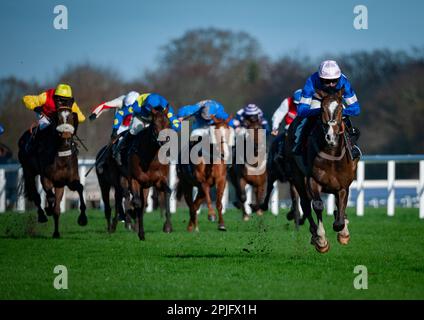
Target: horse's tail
27 186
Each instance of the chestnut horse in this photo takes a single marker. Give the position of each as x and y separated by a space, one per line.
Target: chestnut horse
145 170
329 170
243 173
55 159
206 175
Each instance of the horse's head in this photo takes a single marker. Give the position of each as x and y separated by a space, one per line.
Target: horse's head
331 116
66 122
223 134
159 122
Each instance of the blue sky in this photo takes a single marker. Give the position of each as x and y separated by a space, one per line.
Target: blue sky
127 34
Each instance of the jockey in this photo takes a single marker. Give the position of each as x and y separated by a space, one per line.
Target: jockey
203 112
46 103
139 106
287 111
252 112
330 79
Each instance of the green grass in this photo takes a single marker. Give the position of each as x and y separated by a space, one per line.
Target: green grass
264 258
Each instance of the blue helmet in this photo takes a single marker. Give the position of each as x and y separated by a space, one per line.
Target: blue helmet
297 95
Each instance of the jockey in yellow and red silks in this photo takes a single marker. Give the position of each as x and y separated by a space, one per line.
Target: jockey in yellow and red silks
46 103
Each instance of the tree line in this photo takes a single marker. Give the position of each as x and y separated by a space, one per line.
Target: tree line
231 67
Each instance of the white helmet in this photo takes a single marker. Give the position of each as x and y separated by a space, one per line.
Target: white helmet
329 69
130 98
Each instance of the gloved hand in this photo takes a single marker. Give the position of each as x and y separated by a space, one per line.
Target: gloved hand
274 132
38 110
92 117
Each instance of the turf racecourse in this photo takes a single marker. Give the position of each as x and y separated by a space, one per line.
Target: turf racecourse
264 258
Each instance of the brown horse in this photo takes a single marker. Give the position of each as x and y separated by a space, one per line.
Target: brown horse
55 160
245 173
206 175
145 170
329 170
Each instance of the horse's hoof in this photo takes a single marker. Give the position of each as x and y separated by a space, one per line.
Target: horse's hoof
323 249
211 218
56 235
290 215
338 226
141 236
221 227
49 211
343 240
246 217
167 228
42 218
260 213
82 220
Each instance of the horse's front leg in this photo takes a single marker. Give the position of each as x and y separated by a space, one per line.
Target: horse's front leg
58 198
211 212
294 212
167 227
321 243
340 217
138 203
50 197
259 194
78 187
220 186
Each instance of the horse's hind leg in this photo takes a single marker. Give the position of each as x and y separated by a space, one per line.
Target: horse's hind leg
340 223
50 196
188 196
119 210
269 188
259 193
211 212
58 198
138 202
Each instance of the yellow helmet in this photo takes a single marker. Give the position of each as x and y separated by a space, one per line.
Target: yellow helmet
63 90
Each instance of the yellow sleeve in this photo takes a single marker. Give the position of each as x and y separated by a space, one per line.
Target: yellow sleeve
32 102
141 98
76 109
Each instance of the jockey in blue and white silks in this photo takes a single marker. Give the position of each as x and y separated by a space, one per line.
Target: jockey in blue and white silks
250 111
202 113
330 79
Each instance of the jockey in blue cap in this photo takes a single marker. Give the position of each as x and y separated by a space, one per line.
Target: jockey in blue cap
330 79
202 113
140 107
250 112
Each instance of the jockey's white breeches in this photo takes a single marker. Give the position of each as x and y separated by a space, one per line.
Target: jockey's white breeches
136 125
43 121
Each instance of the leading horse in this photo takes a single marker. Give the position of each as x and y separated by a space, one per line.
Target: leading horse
54 157
329 169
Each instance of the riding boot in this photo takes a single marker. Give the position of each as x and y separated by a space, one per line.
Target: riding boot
279 156
353 136
299 136
117 150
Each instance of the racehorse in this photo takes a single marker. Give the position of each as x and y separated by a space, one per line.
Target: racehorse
254 175
108 176
55 159
279 171
329 169
145 170
206 175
